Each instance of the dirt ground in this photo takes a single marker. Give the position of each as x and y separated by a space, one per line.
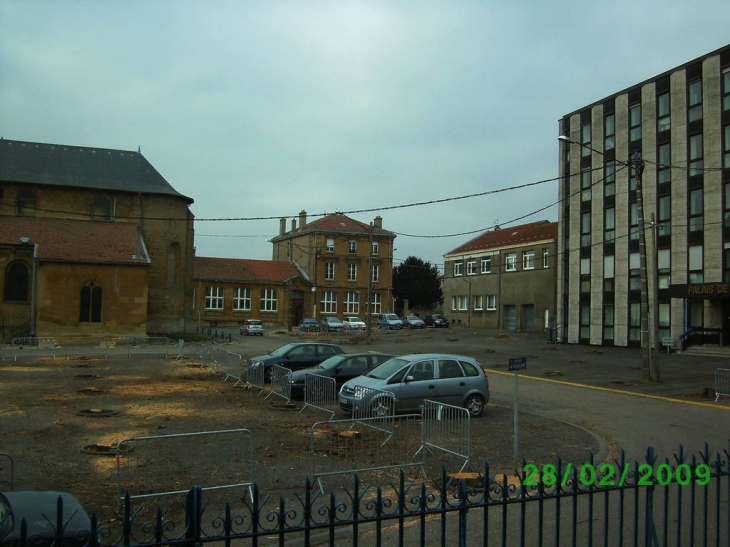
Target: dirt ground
58 418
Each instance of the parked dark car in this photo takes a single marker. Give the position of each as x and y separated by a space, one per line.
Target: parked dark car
332 324
309 324
413 322
342 368
295 356
39 510
436 321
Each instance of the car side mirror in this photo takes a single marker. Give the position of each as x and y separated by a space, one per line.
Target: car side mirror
408 378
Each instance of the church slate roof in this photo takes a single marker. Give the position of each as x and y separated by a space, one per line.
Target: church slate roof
81 241
81 167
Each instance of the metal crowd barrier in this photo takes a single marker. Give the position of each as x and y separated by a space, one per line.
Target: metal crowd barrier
165 465
9 483
447 428
280 385
256 377
231 364
320 392
365 445
371 403
722 383
206 355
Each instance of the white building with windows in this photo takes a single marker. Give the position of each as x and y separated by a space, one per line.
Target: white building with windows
503 279
673 131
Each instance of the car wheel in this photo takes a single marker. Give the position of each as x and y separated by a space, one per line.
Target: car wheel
267 376
475 405
381 408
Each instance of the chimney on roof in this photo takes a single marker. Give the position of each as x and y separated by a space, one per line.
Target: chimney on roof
293 224
378 222
302 218
282 226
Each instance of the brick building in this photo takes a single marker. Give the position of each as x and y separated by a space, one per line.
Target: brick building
229 290
346 260
100 222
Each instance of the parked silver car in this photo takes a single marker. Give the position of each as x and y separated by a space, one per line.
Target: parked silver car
451 379
332 324
413 322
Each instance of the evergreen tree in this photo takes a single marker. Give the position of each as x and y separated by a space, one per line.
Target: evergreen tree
418 282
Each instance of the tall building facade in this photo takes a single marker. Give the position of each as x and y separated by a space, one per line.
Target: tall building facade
665 144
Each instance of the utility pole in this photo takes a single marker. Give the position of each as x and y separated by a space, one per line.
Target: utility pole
368 326
655 376
290 280
637 165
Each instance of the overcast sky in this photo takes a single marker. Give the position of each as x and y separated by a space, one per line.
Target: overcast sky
259 109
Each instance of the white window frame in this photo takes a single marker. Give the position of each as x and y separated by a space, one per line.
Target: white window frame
463 302
329 271
471 267
214 298
546 258
491 302
375 273
510 262
353 246
453 303
269 300
352 272
330 248
351 302
479 302
458 268
328 304
241 299
528 260
375 248
376 303
486 264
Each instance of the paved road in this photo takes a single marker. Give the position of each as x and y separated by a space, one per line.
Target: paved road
631 421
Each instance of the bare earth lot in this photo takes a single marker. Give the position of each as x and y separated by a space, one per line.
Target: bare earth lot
50 415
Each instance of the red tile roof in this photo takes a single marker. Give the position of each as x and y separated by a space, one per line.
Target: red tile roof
243 269
511 236
76 240
337 222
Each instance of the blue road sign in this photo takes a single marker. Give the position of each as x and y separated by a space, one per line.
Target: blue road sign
517 363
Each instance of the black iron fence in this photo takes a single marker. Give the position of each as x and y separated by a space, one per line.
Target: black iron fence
683 500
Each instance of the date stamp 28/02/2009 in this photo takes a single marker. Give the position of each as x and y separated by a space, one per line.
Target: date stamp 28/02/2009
608 475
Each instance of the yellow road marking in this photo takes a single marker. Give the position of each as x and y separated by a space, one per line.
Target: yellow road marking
625 392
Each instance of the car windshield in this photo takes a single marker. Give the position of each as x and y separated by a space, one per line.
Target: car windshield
413 318
354 320
283 350
332 362
387 369
254 322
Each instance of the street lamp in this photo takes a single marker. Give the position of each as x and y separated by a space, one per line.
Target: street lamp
636 164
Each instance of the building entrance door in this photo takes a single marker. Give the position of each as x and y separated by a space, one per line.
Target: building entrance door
510 317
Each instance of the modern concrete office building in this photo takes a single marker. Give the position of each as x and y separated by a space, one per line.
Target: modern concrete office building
664 142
